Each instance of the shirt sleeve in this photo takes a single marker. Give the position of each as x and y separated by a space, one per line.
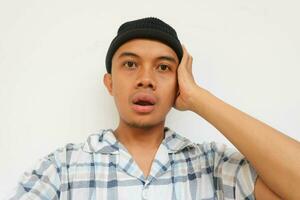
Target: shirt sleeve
40 182
233 175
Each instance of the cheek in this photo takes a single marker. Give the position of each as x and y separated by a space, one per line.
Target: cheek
118 85
169 91
173 83
120 91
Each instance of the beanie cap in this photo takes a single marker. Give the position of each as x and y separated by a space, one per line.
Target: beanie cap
149 28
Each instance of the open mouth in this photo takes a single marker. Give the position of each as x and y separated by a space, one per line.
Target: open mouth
143 103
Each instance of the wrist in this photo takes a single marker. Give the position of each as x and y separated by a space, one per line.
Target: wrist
198 99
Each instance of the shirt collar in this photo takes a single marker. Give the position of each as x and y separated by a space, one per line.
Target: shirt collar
105 142
175 142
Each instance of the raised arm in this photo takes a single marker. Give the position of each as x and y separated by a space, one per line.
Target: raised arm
274 155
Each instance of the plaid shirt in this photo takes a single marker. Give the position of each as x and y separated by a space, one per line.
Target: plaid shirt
102 168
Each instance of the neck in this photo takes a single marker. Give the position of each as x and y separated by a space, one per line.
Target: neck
139 137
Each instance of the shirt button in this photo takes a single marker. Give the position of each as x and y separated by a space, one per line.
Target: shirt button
145 193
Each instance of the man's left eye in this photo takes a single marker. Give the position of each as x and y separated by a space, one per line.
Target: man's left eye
163 67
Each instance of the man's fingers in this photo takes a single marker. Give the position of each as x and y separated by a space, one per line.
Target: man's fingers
190 63
184 59
187 60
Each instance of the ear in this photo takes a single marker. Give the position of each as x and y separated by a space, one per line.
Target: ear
107 80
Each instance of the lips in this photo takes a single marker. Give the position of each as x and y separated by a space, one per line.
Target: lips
144 99
143 102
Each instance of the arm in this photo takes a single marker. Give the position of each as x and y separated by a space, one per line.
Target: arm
274 155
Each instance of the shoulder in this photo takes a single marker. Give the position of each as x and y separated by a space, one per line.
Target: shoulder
219 150
212 154
177 142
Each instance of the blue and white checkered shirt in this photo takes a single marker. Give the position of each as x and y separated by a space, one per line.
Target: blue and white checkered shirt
102 168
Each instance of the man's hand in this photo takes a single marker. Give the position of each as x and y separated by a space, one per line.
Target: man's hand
186 83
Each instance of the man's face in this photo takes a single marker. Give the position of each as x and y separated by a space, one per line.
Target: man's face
143 82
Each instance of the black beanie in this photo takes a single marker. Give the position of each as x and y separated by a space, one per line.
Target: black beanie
150 27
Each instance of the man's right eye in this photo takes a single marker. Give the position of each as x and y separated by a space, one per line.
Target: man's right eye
129 64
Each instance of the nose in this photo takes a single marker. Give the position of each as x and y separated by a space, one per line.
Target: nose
146 79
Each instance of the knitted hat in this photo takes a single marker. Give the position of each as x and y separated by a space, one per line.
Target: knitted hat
151 28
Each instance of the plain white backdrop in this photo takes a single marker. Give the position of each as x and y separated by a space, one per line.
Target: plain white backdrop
52 63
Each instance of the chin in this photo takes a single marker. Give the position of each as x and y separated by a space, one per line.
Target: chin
143 124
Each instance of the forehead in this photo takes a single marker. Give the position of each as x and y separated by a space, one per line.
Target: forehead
146 48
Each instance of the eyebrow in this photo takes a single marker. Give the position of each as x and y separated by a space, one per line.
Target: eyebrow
168 58
127 53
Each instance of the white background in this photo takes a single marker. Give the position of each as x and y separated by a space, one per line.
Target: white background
52 63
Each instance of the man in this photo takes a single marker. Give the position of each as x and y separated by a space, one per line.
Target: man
149 72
